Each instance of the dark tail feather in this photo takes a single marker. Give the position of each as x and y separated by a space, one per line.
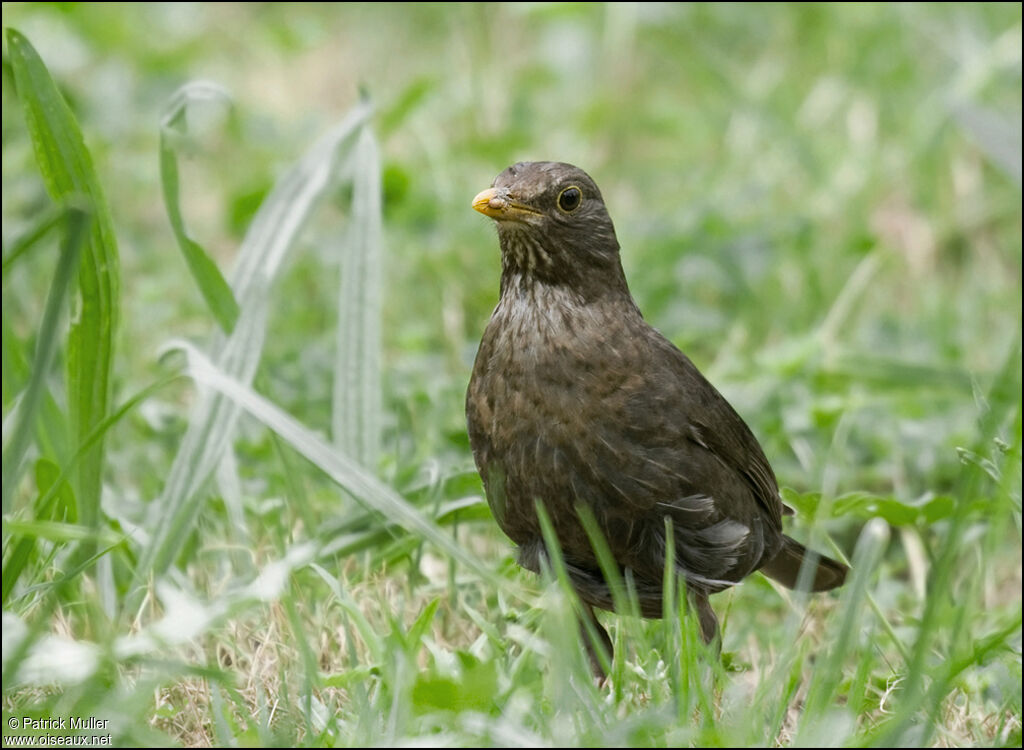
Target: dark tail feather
785 567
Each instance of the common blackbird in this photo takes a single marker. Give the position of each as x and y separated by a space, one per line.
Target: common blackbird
575 400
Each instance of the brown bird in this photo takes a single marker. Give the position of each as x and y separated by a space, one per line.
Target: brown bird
575 401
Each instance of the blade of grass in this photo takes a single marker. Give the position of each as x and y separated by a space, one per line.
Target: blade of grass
185 618
52 434
613 577
17 559
828 675
365 531
55 531
369 635
77 226
310 672
213 418
943 618
673 630
345 471
31 236
356 396
556 565
215 290
605 560
67 169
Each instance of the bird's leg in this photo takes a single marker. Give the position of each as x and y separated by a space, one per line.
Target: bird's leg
605 643
705 616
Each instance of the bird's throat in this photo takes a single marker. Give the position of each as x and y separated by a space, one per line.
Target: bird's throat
521 251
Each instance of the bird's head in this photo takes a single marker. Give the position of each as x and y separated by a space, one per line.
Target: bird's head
553 227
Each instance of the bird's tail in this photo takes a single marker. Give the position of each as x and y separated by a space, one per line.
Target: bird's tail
785 567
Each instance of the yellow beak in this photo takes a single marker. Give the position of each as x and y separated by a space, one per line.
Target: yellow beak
497 204
489 203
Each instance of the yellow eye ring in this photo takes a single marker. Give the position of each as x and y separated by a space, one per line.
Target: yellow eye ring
570 199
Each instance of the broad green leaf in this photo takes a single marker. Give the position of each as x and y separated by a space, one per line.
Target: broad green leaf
804 503
868 505
342 680
864 504
473 687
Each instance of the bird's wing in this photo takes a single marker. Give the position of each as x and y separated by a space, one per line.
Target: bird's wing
670 445
706 421
727 436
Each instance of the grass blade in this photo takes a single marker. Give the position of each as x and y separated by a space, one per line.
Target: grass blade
78 222
348 473
44 504
67 169
357 391
827 677
36 232
213 418
51 424
214 288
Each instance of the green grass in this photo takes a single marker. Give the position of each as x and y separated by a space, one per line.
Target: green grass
239 503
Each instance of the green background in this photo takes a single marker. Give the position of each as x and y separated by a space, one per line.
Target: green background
820 204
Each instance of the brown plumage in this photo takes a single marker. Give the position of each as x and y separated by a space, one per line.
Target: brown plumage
576 401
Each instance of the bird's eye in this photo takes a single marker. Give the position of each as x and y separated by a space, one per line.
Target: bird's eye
569 199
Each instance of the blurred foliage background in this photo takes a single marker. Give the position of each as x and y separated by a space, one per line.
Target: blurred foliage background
820 204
